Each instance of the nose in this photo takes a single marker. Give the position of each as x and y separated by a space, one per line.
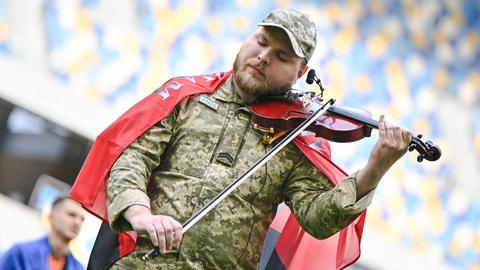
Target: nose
264 56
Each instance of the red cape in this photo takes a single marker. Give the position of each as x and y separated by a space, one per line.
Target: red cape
299 250
89 187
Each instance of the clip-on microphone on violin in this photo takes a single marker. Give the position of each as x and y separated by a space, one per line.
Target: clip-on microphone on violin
312 77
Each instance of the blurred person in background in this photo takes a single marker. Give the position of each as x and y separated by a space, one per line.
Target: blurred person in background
52 251
179 147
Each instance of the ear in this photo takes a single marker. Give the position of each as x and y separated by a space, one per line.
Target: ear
302 71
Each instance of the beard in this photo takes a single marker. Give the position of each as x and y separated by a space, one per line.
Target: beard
254 86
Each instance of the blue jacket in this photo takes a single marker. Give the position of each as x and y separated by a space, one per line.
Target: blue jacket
34 256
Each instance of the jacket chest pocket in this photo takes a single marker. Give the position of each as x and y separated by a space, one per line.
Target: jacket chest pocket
232 139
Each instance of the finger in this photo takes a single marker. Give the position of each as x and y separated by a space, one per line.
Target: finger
407 136
397 135
153 235
381 126
178 233
168 234
161 237
389 132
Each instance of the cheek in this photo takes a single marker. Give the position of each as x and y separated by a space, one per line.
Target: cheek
284 74
248 50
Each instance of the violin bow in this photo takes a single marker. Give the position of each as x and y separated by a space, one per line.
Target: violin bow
234 184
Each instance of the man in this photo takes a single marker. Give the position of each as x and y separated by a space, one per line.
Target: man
50 252
206 140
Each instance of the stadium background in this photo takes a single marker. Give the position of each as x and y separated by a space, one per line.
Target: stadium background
69 67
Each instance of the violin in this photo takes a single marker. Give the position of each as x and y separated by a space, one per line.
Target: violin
277 116
293 113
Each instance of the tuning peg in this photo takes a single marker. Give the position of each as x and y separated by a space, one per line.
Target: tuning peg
412 147
419 136
420 157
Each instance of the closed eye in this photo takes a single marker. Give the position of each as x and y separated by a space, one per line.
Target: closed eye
262 40
282 56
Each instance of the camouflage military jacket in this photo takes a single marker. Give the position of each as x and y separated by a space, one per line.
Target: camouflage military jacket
193 154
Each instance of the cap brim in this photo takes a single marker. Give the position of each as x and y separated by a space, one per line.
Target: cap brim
296 47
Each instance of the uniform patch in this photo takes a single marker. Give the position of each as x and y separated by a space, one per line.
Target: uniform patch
208 102
225 159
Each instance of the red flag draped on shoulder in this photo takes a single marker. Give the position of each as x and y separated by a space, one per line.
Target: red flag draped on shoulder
89 187
288 246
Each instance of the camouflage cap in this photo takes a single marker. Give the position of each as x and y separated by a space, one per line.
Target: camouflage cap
299 27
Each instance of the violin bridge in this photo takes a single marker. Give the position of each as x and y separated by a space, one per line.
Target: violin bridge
269 135
306 100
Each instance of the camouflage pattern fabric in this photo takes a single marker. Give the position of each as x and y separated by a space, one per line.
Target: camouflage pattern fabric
196 152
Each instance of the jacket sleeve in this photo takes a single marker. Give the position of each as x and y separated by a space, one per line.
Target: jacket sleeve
321 209
128 179
13 259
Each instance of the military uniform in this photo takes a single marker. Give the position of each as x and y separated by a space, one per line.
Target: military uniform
194 153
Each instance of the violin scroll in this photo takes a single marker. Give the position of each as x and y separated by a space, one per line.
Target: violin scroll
427 150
